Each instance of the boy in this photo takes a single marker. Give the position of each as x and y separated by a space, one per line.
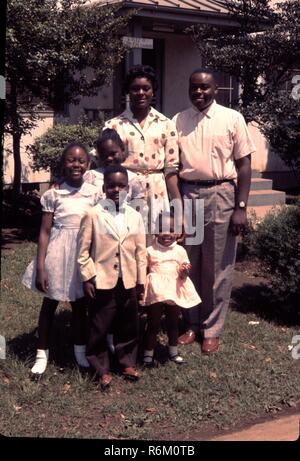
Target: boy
112 262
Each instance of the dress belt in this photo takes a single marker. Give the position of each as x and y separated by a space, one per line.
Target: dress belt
145 171
206 182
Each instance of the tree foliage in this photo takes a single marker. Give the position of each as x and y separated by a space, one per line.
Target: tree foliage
49 46
262 50
46 150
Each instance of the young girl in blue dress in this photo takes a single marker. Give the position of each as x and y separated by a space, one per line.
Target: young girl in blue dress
54 272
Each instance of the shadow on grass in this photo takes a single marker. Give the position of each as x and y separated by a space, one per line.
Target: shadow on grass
15 236
60 348
261 301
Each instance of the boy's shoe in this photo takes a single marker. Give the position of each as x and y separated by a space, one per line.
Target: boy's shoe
131 373
177 359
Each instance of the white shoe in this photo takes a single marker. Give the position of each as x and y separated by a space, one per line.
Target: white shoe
41 361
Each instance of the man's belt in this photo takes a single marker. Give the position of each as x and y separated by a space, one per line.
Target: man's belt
206 182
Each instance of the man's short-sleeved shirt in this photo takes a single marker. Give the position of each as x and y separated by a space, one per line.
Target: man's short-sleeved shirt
210 141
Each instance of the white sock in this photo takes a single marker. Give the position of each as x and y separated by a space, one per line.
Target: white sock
110 343
41 361
148 356
79 352
173 351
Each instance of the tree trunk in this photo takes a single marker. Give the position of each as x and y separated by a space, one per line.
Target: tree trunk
17 164
16 135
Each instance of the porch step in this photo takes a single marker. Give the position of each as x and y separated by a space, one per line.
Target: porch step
255 174
261 184
260 211
266 197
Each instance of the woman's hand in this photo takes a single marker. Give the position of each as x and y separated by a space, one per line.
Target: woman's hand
183 270
41 280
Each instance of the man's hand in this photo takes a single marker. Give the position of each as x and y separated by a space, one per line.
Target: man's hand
89 289
183 270
238 222
41 280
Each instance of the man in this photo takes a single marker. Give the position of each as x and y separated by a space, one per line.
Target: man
215 156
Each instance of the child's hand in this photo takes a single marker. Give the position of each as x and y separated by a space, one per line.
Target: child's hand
183 270
41 280
140 292
89 289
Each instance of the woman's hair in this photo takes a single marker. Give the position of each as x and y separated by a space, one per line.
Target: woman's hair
109 134
140 72
66 150
114 169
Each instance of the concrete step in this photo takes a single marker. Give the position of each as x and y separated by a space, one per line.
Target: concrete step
255 174
259 212
261 184
266 197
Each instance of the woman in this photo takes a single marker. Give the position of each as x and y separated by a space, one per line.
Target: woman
151 142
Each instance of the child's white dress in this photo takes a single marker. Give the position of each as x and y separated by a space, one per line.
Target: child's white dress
163 283
68 204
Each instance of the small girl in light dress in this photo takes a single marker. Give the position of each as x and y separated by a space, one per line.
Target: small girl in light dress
168 289
54 272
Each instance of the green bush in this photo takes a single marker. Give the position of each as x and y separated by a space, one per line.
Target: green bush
276 242
46 151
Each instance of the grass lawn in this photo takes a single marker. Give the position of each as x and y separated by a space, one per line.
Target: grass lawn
252 376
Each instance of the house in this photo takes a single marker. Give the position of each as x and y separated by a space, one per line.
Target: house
157 36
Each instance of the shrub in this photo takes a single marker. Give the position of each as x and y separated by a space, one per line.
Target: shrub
276 242
46 151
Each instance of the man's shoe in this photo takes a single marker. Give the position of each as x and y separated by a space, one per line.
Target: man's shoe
188 338
131 374
105 381
210 345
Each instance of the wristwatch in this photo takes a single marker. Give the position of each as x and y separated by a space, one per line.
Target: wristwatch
242 204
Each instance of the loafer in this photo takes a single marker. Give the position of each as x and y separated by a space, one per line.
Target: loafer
105 381
187 338
131 374
210 345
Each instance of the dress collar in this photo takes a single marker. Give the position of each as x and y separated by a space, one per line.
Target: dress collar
85 189
163 248
153 114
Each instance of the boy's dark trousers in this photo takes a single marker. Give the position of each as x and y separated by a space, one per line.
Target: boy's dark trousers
115 307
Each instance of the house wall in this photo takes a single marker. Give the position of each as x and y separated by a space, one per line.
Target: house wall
181 58
28 176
